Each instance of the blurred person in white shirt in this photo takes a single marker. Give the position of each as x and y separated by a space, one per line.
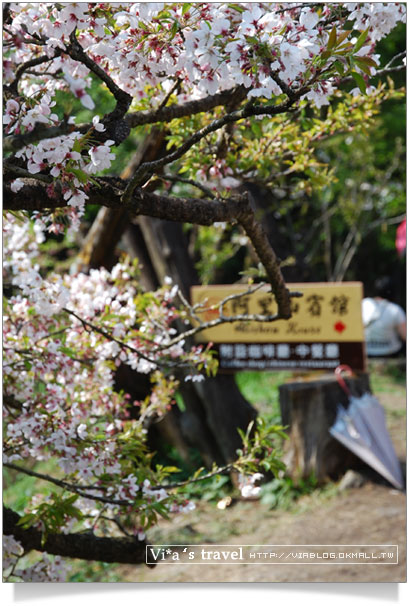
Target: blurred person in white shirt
384 322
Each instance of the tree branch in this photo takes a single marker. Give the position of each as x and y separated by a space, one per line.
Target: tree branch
12 88
247 111
109 337
166 114
397 57
210 474
222 318
15 142
85 546
16 171
76 489
270 262
385 221
116 127
76 52
388 69
177 179
108 191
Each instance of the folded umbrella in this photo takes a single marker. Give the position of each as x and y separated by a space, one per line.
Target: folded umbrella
362 429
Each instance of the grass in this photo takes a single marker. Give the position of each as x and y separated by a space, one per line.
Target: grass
93 572
18 488
261 390
386 383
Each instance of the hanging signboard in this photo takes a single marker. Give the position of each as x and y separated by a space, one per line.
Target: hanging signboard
325 329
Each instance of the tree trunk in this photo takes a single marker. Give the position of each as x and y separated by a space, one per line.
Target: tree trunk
309 409
215 408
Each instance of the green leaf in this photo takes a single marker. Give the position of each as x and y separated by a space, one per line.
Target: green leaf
326 55
77 146
186 7
81 175
27 520
237 8
198 473
332 39
249 428
339 67
71 499
252 40
361 40
366 60
39 387
343 36
363 66
360 81
169 469
174 29
256 128
71 353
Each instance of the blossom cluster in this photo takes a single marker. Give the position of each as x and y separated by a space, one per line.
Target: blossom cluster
208 46
145 48
247 484
45 570
63 159
63 339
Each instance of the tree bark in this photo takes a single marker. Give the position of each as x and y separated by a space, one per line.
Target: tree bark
215 408
85 546
309 409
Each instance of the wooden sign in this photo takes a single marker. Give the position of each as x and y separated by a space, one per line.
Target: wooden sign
325 329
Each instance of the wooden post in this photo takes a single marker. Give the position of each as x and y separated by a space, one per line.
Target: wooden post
309 409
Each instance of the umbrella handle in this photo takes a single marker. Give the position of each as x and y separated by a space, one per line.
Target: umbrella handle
341 382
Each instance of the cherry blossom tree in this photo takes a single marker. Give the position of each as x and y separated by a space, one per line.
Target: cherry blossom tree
239 89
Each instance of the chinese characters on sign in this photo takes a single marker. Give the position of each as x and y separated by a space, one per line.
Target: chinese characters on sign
324 331
314 305
264 356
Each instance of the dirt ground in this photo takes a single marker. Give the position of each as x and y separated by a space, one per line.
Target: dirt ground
373 514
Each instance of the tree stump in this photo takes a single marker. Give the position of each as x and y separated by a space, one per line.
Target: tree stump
309 409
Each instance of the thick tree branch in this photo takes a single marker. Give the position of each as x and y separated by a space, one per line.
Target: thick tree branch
164 114
85 546
17 171
109 192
